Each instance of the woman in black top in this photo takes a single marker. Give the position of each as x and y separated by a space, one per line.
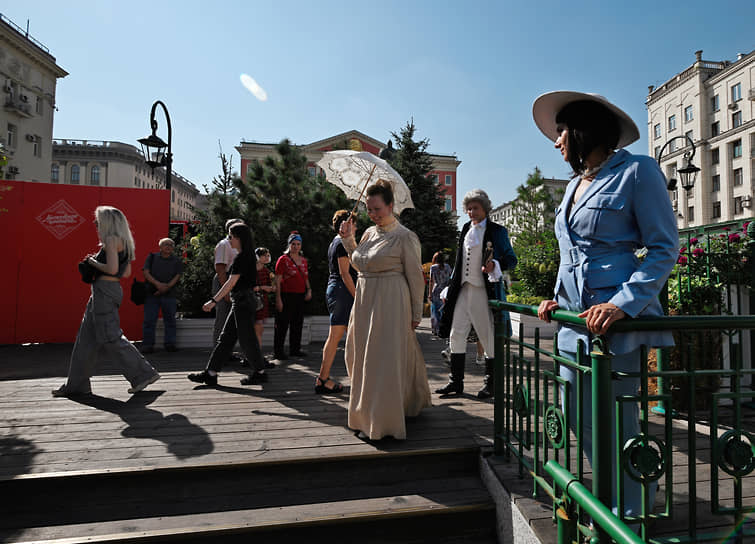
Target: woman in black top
242 278
100 329
340 297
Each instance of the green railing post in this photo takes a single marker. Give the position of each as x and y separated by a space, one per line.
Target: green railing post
601 424
499 400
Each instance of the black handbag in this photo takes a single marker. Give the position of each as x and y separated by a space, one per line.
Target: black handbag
138 292
87 271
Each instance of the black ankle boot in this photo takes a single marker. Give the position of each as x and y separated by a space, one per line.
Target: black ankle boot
455 386
488 387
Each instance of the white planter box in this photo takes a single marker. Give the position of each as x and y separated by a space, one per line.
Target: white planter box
547 330
197 333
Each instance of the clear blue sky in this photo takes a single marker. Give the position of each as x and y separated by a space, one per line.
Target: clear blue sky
466 72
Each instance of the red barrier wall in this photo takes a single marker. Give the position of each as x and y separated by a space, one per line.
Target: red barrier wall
45 230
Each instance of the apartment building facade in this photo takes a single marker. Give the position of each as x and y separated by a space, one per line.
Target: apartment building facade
28 80
711 103
117 164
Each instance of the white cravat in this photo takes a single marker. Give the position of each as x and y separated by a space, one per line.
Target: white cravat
475 234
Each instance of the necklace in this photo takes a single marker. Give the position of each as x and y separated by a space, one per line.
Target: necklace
590 172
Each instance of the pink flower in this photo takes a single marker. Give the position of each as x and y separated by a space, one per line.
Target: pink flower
734 237
693 241
683 249
744 225
727 228
681 260
698 251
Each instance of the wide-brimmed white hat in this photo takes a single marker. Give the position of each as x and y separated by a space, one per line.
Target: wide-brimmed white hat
547 106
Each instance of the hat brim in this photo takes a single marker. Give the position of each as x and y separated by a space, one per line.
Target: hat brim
548 105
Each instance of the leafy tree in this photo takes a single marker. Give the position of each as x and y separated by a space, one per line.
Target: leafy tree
534 240
429 219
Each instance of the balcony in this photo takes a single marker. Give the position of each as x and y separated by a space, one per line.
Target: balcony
22 109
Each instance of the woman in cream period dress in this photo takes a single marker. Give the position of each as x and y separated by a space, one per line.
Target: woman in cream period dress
383 357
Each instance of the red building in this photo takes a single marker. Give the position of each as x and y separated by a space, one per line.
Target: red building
444 166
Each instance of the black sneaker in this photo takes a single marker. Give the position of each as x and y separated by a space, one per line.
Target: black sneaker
204 377
254 379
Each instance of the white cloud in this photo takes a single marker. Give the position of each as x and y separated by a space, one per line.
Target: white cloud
253 87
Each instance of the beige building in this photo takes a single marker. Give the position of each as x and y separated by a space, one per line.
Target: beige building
714 104
28 75
115 164
506 214
443 172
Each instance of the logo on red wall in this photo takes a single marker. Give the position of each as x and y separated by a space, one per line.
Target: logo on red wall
60 219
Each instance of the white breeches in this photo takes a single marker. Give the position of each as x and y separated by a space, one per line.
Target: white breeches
472 310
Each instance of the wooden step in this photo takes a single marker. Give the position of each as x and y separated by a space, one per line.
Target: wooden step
407 495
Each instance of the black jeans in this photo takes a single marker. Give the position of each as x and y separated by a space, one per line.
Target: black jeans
239 325
293 315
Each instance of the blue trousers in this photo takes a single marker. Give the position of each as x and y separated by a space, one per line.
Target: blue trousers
627 362
152 307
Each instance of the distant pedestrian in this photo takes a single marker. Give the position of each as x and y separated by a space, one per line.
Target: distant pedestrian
239 325
264 287
100 328
292 290
224 255
440 276
162 270
340 298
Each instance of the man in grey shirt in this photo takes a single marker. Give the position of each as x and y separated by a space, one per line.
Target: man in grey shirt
162 270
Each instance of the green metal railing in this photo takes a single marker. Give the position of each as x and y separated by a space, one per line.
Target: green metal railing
531 425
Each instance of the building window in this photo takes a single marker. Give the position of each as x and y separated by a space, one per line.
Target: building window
691 213
738 205
434 178
715 129
448 179
172 196
672 146
715 183
449 204
672 123
657 151
736 119
688 114
714 156
11 139
37 146
657 131
312 171
689 137
716 210
55 173
736 92
674 195
94 175
38 105
714 103
75 174
671 171
136 182
738 177
736 149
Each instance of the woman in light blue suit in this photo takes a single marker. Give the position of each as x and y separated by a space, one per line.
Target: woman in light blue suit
616 204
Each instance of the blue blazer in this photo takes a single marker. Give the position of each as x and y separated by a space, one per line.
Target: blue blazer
625 208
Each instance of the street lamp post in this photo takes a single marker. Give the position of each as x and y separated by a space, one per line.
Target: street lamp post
687 173
153 144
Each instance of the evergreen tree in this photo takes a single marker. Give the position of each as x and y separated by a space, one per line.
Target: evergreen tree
279 196
429 219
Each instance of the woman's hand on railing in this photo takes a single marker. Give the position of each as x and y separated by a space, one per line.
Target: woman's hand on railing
600 317
545 308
